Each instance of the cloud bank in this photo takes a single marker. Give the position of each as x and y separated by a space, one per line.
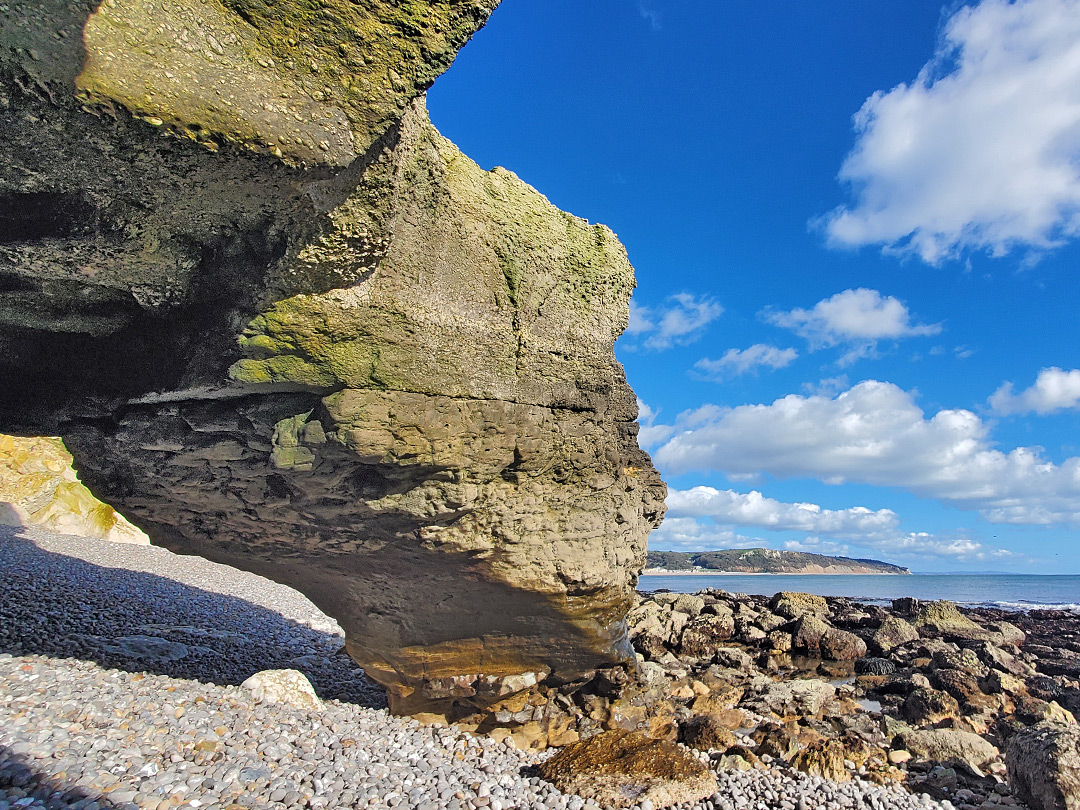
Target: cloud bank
679 323
874 433
982 150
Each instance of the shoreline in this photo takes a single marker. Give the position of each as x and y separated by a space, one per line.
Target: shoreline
660 572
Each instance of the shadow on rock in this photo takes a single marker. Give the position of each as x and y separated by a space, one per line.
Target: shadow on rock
61 606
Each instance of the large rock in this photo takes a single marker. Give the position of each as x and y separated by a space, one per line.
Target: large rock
946 745
627 768
1044 766
282 323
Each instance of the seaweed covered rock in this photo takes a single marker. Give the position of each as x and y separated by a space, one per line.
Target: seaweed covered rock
282 323
626 768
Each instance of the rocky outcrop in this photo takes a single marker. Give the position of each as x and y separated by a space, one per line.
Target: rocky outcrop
39 487
1044 766
282 323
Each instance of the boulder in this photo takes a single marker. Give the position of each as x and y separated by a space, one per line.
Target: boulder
893 633
706 733
282 323
840 645
798 698
626 768
792 605
808 633
925 706
946 745
825 759
285 686
944 617
874 666
1044 766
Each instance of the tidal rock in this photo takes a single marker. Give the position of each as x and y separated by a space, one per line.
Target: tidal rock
625 769
925 706
875 666
287 686
280 322
840 645
798 698
793 605
945 745
824 758
1044 766
892 633
706 733
944 617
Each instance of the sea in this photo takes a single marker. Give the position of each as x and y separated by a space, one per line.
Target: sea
1006 591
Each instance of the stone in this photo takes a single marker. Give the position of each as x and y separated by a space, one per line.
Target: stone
799 698
840 645
287 686
792 605
280 322
705 733
874 666
946 619
808 633
946 745
893 633
1044 766
925 706
625 768
825 759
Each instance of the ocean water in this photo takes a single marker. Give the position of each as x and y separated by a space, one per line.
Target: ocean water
1009 591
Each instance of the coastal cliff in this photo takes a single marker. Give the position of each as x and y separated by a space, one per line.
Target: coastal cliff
765 561
282 323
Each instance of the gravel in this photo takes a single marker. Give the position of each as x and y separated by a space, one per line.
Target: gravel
119 673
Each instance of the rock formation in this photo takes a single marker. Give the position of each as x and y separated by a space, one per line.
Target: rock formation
282 323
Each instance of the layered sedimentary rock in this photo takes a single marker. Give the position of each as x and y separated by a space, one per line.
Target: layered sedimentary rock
282 323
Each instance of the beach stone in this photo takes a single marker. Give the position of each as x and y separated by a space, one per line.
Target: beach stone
840 645
808 633
945 745
804 697
825 759
625 768
794 605
286 686
893 633
946 619
874 666
926 706
1044 766
705 733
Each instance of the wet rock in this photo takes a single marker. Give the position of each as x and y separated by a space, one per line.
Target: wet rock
825 758
792 605
706 733
624 769
840 645
1044 766
875 666
808 633
893 633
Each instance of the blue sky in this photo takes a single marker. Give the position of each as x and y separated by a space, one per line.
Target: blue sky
855 229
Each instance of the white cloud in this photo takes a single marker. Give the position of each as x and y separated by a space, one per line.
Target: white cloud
679 323
1054 390
874 433
852 315
982 150
650 434
754 509
736 361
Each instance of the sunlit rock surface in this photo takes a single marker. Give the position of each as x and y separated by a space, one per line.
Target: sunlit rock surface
282 323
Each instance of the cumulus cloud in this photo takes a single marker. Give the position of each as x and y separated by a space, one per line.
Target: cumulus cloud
1054 390
740 361
754 509
849 316
874 433
982 150
680 322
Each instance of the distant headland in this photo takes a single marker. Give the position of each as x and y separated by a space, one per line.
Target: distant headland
762 561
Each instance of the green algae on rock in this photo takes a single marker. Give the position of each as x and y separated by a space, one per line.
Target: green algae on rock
283 323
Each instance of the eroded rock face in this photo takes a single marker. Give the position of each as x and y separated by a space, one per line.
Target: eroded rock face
284 324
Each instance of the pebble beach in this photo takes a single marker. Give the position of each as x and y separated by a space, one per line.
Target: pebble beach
120 673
